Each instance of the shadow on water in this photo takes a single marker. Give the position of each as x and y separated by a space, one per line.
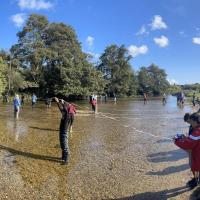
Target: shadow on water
169 156
170 170
162 195
43 129
30 155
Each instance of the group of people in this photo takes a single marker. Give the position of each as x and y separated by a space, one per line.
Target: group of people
17 103
191 144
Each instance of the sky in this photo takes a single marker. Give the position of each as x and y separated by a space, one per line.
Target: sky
163 32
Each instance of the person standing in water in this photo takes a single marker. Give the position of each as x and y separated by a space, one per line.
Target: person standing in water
164 99
16 104
33 100
72 112
63 131
94 103
145 97
193 99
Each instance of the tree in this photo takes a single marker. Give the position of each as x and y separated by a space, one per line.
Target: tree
153 80
3 75
115 66
51 57
30 49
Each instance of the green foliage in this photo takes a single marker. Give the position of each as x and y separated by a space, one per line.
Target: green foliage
3 75
49 57
152 79
115 66
174 89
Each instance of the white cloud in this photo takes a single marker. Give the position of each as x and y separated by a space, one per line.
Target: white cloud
142 31
18 19
135 51
196 40
162 41
90 41
35 4
172 81
158 23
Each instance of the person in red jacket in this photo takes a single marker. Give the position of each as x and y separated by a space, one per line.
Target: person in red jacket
94 103
192 142
72 112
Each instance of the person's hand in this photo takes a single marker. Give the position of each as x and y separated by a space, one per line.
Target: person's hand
62 101
56 99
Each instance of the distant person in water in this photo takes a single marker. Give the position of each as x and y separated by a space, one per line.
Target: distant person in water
16 104
193 99
63 131
22 99
48 102
145 97
72 112
164 101
33 100
94 103
115 98
105 98
182 99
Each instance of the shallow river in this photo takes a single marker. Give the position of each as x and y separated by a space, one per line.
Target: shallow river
124 151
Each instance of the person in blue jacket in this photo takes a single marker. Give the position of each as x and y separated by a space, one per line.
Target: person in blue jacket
17 105
34 100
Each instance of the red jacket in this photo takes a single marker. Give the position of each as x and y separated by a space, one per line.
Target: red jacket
94 102
192 143
71 109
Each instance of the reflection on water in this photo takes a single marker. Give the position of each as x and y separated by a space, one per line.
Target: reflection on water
16 128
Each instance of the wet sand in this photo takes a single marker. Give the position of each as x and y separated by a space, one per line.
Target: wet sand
122 152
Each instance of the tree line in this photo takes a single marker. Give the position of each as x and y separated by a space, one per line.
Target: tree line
48 59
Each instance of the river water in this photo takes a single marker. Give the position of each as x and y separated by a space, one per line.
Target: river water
124 151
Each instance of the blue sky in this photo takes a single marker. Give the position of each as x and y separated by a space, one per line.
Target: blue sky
163 32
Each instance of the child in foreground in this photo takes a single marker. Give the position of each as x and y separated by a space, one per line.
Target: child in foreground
192 143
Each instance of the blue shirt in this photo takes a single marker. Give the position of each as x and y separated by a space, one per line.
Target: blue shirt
34 98
16 102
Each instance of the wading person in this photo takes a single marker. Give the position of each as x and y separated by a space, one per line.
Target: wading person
193 99
33 100
72 112
22 99
164 101
48 102
16 104
192 143
63 132
94 103
145 97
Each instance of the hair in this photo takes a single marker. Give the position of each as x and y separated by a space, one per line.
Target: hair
186 117
195 117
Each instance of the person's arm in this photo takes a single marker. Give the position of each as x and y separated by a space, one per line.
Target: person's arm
186 143
60 106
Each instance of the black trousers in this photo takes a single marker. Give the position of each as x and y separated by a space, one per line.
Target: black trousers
63 136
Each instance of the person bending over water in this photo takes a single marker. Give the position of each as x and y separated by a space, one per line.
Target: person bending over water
63 131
